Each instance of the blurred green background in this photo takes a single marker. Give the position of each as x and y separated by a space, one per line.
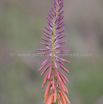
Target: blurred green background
21 22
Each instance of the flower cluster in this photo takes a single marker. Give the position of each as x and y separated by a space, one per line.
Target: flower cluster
56 89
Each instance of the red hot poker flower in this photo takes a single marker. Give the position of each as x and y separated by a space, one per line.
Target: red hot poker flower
56 89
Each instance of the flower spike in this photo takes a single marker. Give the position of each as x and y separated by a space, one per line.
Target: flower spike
56 89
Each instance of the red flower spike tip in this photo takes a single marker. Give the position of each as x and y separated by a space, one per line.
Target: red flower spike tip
56 89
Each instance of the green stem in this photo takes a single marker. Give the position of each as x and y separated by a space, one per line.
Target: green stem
53 50
56 102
